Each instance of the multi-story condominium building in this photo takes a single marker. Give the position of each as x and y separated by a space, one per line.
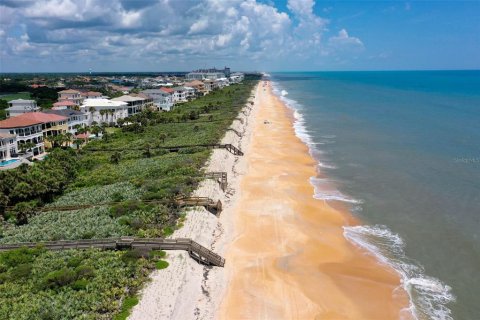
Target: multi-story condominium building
8 146
74 118
35 127
222 82
135 104
212 74
21 106
104 110
162 100
70 95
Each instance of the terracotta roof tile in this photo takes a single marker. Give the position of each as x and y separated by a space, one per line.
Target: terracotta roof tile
30 118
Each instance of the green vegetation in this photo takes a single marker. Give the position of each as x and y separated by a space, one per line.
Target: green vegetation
49 285
127 307
161 264
73 284
13 96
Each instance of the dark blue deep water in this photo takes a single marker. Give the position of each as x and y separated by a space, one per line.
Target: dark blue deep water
403 150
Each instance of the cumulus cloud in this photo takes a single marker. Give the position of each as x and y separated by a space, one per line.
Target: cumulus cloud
165 30
343 40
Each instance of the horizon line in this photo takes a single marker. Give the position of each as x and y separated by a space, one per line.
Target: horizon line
245 71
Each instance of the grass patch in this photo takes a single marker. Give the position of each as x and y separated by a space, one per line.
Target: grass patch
127 306
14 96
161 264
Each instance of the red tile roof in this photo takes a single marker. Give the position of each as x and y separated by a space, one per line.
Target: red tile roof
69 91
167 90
92 94
29 119
64 103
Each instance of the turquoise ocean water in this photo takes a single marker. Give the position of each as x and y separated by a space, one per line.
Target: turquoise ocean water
402 150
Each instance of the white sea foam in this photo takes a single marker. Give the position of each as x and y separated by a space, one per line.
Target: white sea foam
284 93
428 295
323 190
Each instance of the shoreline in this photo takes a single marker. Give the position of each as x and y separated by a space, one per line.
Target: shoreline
186 289
290 258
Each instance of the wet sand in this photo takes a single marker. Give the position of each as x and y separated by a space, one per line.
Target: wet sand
289 258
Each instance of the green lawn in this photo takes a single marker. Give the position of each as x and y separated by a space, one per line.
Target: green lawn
13 96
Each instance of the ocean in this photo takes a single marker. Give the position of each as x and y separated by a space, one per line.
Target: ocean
402 150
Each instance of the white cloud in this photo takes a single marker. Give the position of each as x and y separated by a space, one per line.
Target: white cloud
189 30
343 40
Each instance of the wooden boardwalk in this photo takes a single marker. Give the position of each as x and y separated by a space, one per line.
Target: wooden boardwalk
195 250
206 202
220 177
229 147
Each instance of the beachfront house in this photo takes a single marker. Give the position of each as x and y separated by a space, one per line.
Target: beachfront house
236 77
179 94
104 110
210 85
8 146
65 104
75 118
70 95
21 106
91 95
35 127
162 100
199 86
135 103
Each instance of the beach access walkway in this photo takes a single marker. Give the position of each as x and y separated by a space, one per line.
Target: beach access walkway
195 250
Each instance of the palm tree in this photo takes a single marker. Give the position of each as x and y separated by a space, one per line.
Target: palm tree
78 142
26 146
95 130
68 138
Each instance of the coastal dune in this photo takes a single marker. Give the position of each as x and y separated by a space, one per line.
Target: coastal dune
289 258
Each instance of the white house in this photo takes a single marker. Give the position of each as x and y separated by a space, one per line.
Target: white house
8 146
70 95
180 94
237 77
162 100
20 106
104 110
135 104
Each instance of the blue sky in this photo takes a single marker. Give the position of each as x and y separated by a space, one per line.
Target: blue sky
265 35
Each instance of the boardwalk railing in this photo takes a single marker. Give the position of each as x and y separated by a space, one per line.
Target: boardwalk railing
195 250
220 177
209 204
228 147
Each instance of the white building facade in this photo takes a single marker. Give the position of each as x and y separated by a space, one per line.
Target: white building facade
8 146
20 106
162 100
104 110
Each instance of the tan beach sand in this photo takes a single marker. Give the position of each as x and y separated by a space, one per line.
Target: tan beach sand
289 258
187 290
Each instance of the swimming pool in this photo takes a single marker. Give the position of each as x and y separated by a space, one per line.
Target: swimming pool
8 162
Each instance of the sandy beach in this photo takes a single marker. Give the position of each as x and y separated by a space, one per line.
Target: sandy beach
289 259
187 290
286 256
